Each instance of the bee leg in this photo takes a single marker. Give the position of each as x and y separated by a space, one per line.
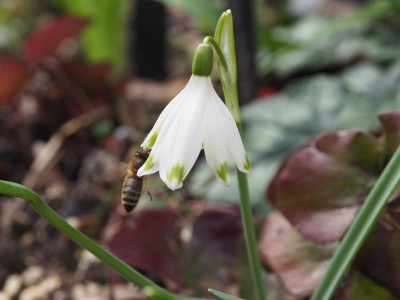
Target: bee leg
145 187
151 198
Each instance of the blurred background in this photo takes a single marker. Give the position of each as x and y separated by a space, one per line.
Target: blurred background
81 84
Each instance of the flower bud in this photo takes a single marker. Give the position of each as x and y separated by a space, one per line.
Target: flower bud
202 60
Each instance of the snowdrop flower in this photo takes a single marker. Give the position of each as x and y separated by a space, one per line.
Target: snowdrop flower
196 118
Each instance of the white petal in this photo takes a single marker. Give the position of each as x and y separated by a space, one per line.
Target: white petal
171 108
234 141
180 137
215 143
149 167
195 117
159 137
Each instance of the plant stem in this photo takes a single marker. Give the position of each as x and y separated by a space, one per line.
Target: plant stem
224 45
221 57
249 233
130 274
82 240
360 228
229 84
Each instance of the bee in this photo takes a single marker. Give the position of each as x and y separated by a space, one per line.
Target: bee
133 184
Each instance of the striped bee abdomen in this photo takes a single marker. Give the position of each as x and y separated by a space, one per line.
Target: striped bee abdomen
133 185
131 191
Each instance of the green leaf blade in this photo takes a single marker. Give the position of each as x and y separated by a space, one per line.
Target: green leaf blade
14 189
223 296
224 36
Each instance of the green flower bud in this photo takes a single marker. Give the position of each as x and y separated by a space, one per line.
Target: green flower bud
203 60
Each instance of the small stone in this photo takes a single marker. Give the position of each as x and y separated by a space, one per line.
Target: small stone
51 283
4 295
90 290
60 295
127 291
28 239
32 275
12 285
78 291
33 293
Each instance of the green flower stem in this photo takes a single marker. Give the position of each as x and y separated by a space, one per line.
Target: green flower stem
229 84
224 45
13 189
249 233
360 228
221 57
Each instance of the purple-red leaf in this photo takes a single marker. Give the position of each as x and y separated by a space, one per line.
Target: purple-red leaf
379 258
298 262
353 147
46 40
391 126
321 186
13 75
90 77
219 228
150 241
169 248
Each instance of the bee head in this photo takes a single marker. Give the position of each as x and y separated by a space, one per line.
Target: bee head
142 154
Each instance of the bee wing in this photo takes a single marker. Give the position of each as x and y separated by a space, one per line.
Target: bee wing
122 169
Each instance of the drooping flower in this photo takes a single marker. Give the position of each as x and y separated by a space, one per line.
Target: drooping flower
196 118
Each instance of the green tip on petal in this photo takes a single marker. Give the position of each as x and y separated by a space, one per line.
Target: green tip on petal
176 173
223 171
149 163
203 60
247 165
152 140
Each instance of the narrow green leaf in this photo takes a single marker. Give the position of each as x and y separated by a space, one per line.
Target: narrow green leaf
45 211
223 296
360 229
14 189
224 36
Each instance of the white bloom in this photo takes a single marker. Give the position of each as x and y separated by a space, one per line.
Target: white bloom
196 118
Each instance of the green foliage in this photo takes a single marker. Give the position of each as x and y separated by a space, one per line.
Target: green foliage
363 288
313 43
104 38
102 129
16 22
223 296
14 189
206 12
36 202
225 38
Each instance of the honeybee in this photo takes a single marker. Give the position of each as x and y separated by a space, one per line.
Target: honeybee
133 184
